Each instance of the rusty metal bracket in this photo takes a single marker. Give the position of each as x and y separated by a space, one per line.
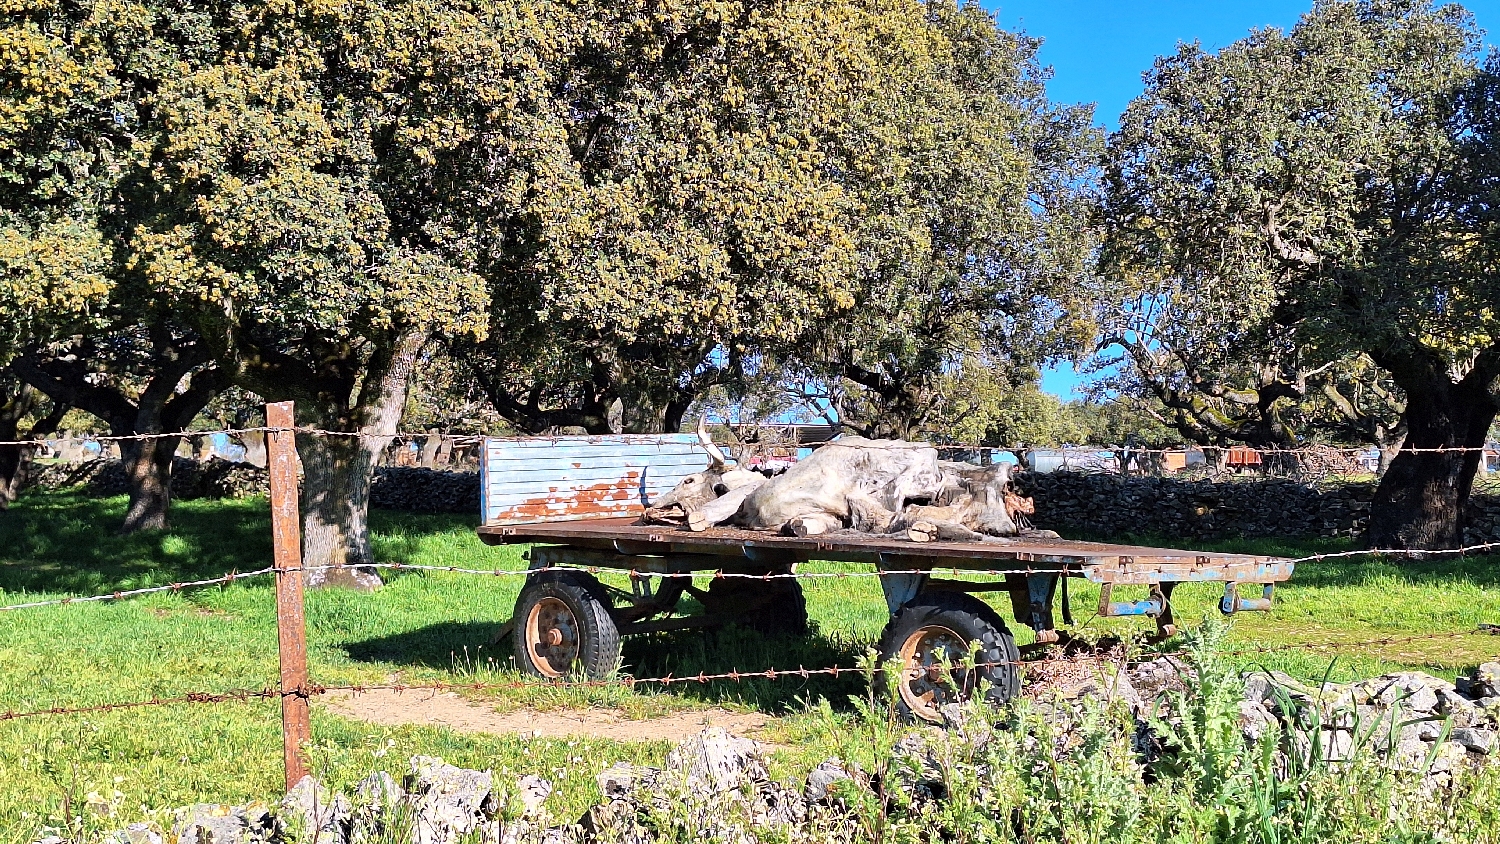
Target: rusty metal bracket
1232 603
1154 605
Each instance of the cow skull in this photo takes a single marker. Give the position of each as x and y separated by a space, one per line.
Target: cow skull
699 488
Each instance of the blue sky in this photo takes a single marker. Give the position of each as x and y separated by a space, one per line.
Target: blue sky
1099 48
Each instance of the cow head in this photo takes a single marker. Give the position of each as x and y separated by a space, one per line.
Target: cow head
699 488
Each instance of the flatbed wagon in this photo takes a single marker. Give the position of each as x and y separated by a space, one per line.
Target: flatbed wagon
580 511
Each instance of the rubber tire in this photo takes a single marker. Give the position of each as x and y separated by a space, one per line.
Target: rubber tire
599 638
972 619
774 607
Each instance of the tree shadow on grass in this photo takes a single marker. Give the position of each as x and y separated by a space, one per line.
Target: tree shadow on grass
63 541
469 648
447 645
66 542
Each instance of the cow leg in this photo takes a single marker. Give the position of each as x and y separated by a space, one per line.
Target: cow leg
925 531
812 524
868 515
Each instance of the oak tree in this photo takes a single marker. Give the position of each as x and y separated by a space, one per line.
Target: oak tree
969 197
323 176
1331 180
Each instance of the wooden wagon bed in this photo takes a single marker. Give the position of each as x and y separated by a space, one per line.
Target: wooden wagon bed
725 547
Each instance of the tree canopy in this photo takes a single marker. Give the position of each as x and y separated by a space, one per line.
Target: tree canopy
970 192
1327 180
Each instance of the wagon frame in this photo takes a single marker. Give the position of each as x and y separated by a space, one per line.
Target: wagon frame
566 621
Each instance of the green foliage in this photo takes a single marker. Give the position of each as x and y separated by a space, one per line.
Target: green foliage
969 189
1329 188
51 257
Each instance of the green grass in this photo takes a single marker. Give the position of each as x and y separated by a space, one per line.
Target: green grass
438 626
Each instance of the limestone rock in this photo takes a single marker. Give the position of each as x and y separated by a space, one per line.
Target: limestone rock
452 802
316 813
1486 682
615 822
716 761
136 833
1255 720
532 791
621 780
208 823
821 779
1474 739
916 770
1454 705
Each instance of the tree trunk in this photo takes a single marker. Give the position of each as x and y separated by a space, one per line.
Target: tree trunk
1388 451
338 470
643 415
165 403
1421 498
336 508
148 472
15 460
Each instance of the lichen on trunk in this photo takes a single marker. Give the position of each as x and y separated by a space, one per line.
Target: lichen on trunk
335 509
354 399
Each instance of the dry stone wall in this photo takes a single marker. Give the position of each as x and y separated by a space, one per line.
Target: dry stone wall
1070 503
394 487
1111 505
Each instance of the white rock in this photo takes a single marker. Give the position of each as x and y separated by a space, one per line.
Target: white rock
1474 739
717 762
1255 720
532 791
821 779
319 815
450 802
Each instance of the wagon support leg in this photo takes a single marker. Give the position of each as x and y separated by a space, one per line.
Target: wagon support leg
1031 600
1166 628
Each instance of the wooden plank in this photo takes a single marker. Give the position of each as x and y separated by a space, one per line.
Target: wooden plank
291 621
1130 563
572 478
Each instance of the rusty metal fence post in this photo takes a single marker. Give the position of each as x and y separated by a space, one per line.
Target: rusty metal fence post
291 622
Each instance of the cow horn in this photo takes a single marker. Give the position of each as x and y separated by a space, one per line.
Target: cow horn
708 443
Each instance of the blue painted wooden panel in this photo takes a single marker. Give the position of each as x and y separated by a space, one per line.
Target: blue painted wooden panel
569 478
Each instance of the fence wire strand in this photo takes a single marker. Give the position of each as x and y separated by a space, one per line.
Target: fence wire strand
669 680
118 594
1117 450
1068 570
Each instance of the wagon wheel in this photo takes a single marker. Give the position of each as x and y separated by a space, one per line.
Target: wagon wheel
938 627
563 626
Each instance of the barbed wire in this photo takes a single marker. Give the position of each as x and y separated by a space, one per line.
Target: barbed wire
119 594
1111 450
1066 570
701 678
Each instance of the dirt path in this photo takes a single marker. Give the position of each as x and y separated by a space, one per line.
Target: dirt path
446 709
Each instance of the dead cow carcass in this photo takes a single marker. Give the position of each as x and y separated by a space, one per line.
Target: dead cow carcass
872 486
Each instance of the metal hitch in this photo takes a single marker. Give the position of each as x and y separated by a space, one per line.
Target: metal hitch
1232 603
1154 605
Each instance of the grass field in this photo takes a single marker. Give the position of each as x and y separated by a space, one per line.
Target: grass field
425 627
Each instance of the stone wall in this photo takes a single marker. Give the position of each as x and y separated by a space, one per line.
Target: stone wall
1111 505
394 487
1070 503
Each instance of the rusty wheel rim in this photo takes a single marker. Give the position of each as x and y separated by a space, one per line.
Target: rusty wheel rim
923 688
552 637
